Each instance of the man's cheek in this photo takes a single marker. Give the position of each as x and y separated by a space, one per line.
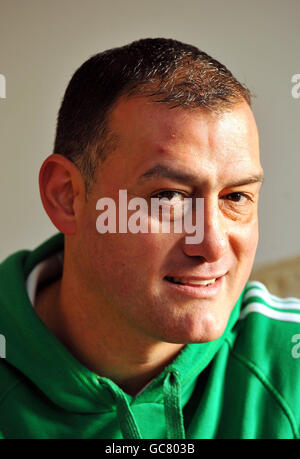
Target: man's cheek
147 248
247 251
246 238
251 241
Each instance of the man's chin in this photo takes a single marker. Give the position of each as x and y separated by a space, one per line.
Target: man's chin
200 331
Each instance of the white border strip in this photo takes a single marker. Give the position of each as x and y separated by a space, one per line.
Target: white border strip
262 287
268 312
271 301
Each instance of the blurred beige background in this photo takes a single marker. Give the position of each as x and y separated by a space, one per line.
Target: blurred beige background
42 42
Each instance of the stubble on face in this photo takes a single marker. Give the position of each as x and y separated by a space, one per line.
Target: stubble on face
125 274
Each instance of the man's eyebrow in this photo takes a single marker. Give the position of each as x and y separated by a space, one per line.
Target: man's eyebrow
256 178
161 171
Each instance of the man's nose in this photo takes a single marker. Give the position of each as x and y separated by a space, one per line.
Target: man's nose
215 234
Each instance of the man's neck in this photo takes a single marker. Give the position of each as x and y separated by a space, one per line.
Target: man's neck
108 351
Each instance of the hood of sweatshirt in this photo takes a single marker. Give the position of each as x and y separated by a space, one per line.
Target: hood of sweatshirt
40 357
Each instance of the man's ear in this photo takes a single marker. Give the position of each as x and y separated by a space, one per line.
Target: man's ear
62 192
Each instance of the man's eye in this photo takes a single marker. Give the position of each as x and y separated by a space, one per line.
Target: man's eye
238 197
169 195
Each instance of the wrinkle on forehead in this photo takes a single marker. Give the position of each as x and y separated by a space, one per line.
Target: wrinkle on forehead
215 144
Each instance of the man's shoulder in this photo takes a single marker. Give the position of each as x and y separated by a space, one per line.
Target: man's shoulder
270 311
269 325
267 345
25 260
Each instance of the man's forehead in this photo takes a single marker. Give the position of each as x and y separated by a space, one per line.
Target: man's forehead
146 114
151 135
141 117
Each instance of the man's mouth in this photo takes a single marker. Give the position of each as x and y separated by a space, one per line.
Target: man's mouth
196 287
192 282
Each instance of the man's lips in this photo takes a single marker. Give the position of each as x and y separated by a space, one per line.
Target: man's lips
193 280
204 287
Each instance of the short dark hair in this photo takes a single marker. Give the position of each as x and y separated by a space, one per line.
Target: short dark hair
166 70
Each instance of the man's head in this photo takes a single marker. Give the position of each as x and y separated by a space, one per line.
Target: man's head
186 133
164 70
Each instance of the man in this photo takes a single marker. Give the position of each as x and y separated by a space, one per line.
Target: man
144 334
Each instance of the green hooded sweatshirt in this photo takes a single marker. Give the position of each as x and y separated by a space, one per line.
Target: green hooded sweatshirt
246 384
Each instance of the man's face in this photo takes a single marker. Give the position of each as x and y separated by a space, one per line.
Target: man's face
149 284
